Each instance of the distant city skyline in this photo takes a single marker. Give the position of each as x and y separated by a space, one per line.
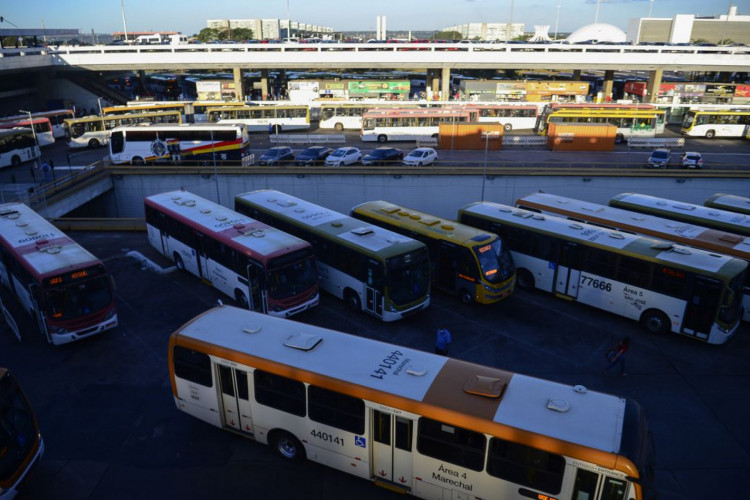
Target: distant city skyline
105 16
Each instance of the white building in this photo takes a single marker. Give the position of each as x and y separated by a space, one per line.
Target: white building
685 28
488 31
267 29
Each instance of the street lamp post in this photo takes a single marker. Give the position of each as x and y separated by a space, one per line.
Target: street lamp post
33 131
124 25
216 173
557 18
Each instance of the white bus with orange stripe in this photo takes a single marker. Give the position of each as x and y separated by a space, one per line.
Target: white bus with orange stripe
60 283
409 420
184 144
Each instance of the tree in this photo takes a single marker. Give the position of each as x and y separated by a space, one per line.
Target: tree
448 35
239 34
207 35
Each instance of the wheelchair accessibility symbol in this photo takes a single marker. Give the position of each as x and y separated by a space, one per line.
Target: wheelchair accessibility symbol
360 441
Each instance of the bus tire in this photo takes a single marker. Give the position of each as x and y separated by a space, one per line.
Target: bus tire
15 161
138 161
382 138
508 127
352 300
619 138
466 297
287 446
241 299
339 127
178 262
655 322
710 134
94 143
525 280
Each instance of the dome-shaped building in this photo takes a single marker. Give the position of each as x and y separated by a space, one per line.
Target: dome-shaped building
599 32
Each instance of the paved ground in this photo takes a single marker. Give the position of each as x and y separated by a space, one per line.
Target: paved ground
112 430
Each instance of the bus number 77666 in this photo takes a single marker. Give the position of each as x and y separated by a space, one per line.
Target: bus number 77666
595 283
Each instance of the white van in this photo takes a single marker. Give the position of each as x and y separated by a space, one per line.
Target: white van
178 39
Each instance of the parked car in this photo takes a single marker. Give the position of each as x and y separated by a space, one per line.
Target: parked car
276 156
383 156
659 158
420 156
314 155
691 159
343 156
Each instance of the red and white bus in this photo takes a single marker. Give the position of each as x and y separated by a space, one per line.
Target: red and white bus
21 444
42 128
57 281
262 268
56 118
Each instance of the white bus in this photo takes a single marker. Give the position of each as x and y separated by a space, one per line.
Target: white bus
711 240
383 125
17 145
42 129
93 131
270 119
408 420
373 269
664 286
347 116
729 202
262 268
181 144
510 116
716 123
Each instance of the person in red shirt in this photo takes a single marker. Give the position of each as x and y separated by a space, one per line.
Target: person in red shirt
616 356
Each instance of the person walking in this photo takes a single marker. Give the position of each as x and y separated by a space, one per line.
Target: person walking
46 172
442 341
616 356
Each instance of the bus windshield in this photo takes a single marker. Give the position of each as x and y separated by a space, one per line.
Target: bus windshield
495 261
291 274
78 299
408 276
731 304
17 427
688 120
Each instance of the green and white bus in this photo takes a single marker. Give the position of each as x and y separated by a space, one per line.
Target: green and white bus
699 215
664 286
373 269
729 202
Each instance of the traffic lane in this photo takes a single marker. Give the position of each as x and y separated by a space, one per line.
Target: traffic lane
107 414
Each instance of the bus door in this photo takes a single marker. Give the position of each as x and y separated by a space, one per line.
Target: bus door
701 307
257 299
392 438
568 273
593 486
235 399
203 247
447 263
373 289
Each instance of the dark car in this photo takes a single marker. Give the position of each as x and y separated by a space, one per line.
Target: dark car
314 155
276 156
383 156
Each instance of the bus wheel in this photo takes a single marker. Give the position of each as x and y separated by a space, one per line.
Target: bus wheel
241 299
178 262
352 300
137 160
619 138
466 297
15 161
288 446
524 279
382 138
93 143
655 322
339 127
710 134
508 127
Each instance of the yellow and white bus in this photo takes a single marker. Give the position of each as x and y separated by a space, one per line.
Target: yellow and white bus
373 269
408 420
648 122
711 240
729 202
270 119
723 220
664 286
93 131
716 123
465 261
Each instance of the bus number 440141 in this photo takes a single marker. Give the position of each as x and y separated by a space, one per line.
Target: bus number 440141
595 283
324 436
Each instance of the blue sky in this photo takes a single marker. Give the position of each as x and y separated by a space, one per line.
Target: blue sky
189 16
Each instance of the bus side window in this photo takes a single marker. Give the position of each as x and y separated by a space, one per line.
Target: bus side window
614 489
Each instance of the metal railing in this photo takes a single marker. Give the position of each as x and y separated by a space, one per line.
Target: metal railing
524 140
656 142
307 138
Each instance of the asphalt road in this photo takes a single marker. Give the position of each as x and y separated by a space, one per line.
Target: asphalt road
112 430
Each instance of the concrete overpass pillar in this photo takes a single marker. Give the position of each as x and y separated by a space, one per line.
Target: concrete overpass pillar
609 76
238 90
445 84
264 85
576 75
433 82
652 87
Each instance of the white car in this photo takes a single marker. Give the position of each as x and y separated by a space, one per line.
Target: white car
420 156
344 156
692 159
